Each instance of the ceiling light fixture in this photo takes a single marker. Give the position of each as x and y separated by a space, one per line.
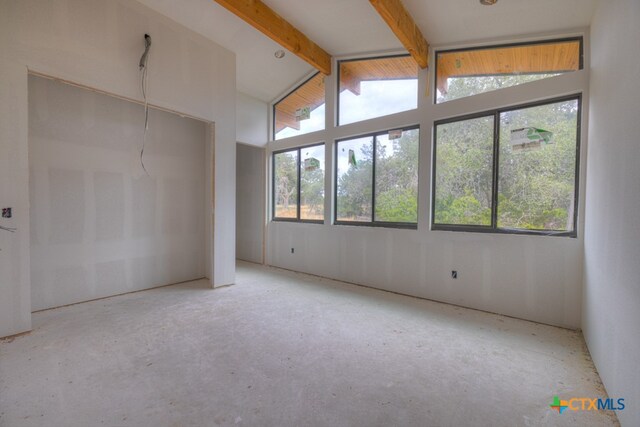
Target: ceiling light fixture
488 2
279 54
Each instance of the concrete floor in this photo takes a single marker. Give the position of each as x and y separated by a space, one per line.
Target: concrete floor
287 349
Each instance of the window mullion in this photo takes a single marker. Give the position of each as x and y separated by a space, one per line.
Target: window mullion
496 172
335 181
373 179
299 177
273 186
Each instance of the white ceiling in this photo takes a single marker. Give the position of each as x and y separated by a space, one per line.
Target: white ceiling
343 27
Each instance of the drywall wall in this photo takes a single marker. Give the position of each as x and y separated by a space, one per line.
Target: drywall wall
250 202
98 44
99 224
611 305
527 277
251 120
531 277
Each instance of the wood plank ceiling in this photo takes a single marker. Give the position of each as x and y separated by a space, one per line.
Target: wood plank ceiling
551 58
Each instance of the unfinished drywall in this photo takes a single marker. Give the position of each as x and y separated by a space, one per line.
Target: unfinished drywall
251 119
98 44
250 202
99 224
611 304
521 276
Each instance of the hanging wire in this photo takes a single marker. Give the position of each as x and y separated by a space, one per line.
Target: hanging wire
144 61
9 229
143 83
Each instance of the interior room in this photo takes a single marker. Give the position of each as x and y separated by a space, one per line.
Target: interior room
336 213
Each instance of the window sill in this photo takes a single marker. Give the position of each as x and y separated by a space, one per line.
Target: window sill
488 229
400 225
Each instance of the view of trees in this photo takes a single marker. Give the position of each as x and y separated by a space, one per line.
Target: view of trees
396 185
286 184
536 187
464 172
355 179
311 183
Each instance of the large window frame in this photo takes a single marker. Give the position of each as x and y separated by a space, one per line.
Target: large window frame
493 228
436 54
299 186
373 222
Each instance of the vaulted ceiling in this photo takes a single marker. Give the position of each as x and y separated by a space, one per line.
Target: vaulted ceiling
344 27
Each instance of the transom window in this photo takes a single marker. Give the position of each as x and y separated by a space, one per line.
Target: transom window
466 72
376 87
302 111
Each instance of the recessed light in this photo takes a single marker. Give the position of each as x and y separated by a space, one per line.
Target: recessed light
488 2
279 54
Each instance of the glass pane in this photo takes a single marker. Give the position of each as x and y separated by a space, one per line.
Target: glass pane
464 159
312 182
286 184
377 87
355 177
397 177
536 185
302 111
470 72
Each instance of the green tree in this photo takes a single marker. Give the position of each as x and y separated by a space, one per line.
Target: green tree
535 188
312 192
354 186
396 186
285 181
397 178
464 172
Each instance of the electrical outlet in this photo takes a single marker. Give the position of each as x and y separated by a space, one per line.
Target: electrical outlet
292 250
454 274
6 212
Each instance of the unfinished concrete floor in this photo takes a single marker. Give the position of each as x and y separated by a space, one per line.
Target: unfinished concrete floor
287 349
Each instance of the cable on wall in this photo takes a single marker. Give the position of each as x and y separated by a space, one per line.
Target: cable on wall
143 83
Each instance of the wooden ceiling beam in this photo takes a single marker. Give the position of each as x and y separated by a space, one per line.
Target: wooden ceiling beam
265 20
404 27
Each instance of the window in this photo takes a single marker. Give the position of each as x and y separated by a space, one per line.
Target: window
285 184
464 181
466 72
298 184
370 88
377 179
302 111
509 170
